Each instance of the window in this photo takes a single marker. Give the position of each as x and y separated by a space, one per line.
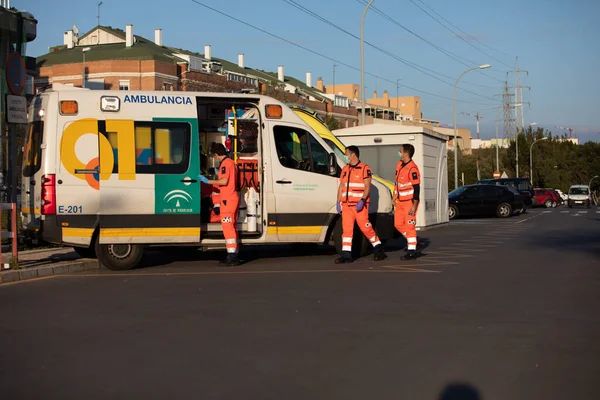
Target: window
32 153
491 191
123 85
297 149
335 149
160 147
472 192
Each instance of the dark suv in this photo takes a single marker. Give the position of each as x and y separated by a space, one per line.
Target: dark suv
521 184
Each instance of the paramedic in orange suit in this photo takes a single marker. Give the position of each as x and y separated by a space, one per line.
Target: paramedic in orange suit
407 191
229 200
353 203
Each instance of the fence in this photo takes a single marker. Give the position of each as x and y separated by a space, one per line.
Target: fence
11 234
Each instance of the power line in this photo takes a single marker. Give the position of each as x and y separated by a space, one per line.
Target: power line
470 36
448 53
457 35
321 54
388 53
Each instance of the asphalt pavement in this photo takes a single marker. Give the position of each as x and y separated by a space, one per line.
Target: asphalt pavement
494 309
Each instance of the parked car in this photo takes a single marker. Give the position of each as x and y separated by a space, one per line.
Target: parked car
472 200
521 184
579 195
547 198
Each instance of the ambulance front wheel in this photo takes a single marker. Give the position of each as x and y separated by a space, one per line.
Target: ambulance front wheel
119 257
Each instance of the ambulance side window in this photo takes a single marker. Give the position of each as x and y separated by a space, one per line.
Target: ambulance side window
160 147
298 149
32 154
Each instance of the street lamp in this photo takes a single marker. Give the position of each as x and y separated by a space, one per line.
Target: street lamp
362 61
83 75
484 66
531 158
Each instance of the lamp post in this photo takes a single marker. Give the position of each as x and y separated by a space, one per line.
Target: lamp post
484 66
362 61
83 51
531 158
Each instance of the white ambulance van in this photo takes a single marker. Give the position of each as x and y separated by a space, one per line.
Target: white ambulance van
111 173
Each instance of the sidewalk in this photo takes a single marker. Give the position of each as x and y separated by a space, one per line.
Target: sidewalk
44 262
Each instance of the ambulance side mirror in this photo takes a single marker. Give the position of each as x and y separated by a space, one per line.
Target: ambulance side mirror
332 164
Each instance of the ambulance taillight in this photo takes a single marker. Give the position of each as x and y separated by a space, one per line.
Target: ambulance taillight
49 194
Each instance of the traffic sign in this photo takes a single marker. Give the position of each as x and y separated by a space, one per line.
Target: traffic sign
496 174
15 73
16 109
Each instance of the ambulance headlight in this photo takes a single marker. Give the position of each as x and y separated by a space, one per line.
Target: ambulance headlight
110 103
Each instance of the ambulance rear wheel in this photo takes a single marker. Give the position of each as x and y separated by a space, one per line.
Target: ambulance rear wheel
119 257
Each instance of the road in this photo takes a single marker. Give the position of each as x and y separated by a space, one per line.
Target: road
508 308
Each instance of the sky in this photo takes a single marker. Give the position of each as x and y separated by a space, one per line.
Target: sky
556 41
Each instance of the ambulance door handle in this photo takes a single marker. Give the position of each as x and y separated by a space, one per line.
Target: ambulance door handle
188 180
284 182
86 171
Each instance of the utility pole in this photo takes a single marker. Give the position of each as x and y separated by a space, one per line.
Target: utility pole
477 117
497 151
334 65
362 62
519 96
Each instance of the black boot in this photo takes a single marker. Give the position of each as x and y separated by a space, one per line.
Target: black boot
346 258
378 254
231 261
410 255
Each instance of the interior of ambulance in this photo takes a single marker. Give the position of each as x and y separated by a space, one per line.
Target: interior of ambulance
237 126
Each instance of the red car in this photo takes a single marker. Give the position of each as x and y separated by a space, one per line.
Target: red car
547 198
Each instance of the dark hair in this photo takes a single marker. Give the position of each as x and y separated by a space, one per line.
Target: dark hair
409 148
218 149
354 149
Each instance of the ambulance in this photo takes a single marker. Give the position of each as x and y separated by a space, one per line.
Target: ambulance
112 173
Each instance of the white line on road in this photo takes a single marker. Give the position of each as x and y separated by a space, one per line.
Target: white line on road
582 212
523 220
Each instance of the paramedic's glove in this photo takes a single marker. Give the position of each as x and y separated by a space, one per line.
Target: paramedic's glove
203 179
217 210
360 205
338 207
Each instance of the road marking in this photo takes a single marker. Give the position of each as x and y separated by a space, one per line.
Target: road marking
582 212
565 212
523 220
29 280
451 254
546 212
452 248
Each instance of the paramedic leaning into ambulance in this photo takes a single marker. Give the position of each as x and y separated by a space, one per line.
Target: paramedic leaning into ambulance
229 199
406 197
353 203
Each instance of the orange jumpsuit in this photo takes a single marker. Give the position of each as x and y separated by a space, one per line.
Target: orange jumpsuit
407 175
352 180
230 201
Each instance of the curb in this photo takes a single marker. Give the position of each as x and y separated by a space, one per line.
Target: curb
47 270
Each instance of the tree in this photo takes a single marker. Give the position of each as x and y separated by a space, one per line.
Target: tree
332 122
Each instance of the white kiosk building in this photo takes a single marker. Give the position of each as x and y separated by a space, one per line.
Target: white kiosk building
379 144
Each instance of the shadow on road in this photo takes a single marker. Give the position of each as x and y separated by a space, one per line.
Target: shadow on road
582 241
460 391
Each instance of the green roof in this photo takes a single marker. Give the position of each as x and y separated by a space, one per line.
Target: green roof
142 49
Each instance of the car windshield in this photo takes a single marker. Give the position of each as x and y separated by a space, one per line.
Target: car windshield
579 190
457 192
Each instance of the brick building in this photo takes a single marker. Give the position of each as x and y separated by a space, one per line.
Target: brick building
113 59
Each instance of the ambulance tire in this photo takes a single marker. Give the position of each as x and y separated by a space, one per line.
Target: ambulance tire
85 252
119 257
